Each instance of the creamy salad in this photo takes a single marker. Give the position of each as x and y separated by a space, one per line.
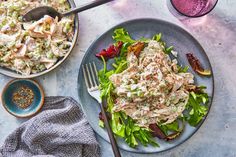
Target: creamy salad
151 90
35 46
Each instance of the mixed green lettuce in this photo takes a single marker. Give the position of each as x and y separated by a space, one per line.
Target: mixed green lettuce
125 127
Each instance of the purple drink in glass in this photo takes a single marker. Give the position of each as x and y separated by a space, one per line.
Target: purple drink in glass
194 8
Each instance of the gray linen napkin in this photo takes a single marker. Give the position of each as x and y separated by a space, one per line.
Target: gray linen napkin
59 130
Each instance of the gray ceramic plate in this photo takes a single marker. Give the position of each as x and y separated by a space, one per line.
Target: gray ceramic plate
14 74
182 41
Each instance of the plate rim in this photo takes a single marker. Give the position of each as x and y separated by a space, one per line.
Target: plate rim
168 23
13 74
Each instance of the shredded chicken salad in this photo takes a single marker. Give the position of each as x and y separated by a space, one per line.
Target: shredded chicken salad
151 90
148 93
35 46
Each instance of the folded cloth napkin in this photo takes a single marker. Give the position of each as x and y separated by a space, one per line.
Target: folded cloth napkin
60 130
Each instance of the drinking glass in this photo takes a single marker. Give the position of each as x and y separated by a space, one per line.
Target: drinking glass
194 8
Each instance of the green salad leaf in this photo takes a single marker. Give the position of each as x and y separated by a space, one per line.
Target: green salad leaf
117 126
182 69
122 35
174 126
168 50
134 133
157 37
101 123
196 108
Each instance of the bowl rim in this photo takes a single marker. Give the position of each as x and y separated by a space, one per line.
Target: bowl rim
39 106
16 75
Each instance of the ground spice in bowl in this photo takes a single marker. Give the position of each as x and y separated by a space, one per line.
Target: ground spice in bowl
23 97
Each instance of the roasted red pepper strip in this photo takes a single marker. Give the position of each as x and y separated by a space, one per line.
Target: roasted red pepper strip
196 65
111 51
156 131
